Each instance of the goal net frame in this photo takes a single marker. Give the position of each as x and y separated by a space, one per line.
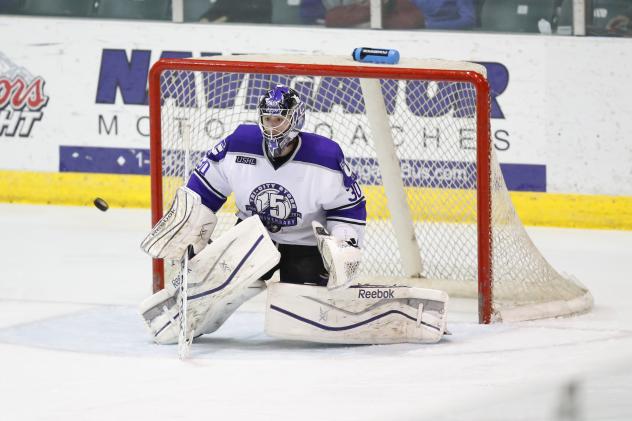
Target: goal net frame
369 76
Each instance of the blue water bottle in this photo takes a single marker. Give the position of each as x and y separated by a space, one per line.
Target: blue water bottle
376 55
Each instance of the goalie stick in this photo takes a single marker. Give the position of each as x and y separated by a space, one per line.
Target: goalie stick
185 338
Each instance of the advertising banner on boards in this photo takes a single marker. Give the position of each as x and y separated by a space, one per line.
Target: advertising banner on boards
73 103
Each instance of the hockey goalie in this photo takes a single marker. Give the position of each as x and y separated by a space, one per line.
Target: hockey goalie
301 213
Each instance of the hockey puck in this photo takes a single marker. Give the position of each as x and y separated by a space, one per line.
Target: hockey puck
101 204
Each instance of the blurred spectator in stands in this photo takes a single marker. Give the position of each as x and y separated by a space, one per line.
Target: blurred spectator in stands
478 9
448 14
621 24
241 11
312 12
10 6
396 14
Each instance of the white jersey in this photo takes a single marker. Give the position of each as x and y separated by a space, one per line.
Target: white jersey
315 184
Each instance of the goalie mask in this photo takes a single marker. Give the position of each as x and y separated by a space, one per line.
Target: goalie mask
281 117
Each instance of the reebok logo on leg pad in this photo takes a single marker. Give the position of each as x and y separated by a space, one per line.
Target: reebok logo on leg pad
376 293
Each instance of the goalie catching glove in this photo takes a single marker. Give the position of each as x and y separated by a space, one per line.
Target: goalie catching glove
188 222
341 257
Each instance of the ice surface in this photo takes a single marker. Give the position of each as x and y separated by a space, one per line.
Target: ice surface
73 347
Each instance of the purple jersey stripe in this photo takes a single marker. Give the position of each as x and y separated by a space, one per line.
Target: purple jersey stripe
319 150
347 221
210 197
246 138
348 205
357 212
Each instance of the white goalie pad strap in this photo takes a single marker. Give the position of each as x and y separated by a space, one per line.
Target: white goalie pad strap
341 258
361 314
223 276
187 222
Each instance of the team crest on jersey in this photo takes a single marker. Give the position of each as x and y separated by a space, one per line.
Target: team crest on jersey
275 206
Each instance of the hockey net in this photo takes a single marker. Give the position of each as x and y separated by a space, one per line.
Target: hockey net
417 136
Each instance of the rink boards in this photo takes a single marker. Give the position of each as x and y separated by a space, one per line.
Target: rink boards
133 191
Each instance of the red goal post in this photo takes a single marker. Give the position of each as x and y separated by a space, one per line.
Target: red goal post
451 97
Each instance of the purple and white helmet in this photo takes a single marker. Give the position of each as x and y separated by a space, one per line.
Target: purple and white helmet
281 101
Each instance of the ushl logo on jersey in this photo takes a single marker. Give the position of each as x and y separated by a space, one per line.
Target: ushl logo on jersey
22 99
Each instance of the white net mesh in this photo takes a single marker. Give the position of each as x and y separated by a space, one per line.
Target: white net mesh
433 125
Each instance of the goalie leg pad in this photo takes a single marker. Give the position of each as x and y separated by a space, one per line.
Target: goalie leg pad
361 314
161 313
223 276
